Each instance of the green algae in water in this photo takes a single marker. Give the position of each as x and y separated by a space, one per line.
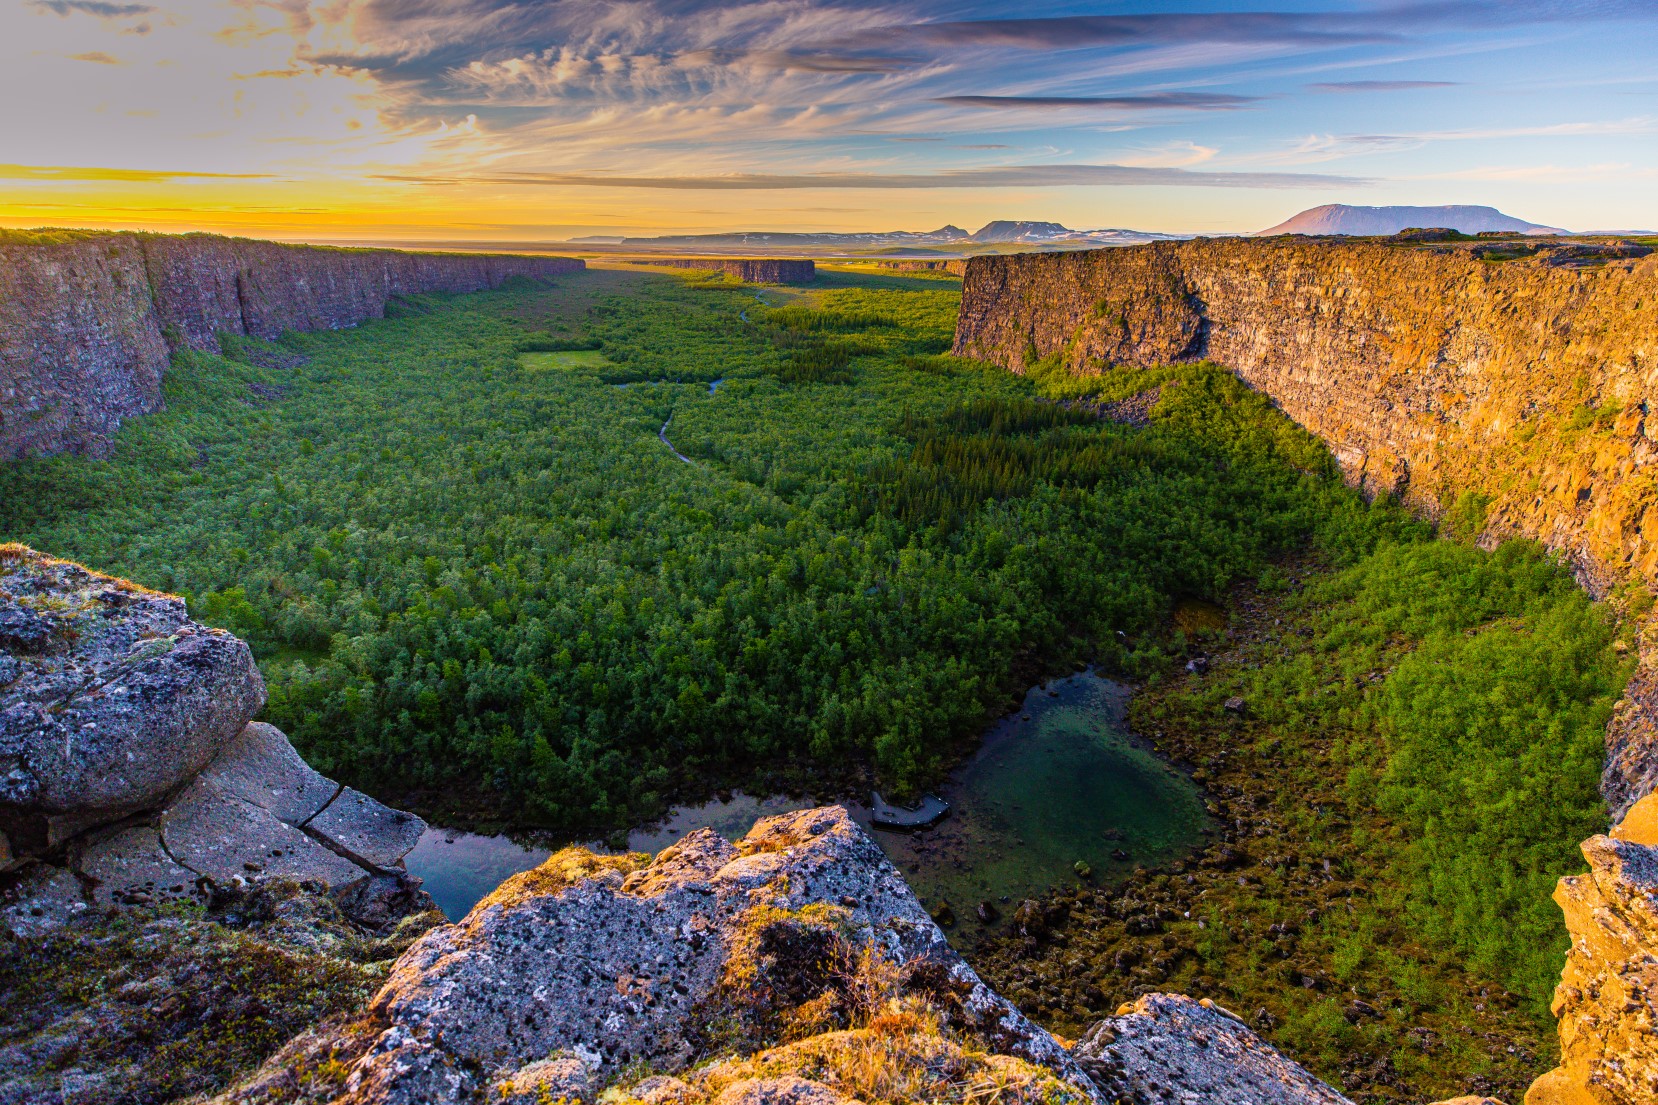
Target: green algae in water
1057 783
1061 782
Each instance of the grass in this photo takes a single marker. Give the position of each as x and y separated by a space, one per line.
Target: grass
586 359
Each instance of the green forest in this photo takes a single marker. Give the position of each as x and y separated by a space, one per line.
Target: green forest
469 565
557 556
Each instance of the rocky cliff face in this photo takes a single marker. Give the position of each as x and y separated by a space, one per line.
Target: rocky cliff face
1607 1000
87 325
749 270
954 267
1430 373
131 772
1433 373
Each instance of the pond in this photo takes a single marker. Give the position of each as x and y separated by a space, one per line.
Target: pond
1058 783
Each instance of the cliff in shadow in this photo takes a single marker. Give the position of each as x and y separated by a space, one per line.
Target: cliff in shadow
1516 386
89 321
748 270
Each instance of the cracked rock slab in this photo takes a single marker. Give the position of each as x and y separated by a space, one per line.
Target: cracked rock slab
1169 1048
370 832
130 867
260 766
224 838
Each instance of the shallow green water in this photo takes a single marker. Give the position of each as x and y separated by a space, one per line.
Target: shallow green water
1059 782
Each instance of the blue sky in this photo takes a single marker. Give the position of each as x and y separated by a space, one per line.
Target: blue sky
497 119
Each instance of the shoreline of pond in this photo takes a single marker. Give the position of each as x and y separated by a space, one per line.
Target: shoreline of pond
1057 792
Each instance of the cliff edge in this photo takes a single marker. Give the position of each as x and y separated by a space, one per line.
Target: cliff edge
133 775
794 966
88 321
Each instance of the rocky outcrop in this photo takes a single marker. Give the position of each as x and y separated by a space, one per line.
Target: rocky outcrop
131 772
1431 373
798 954
87 324
1607 1000
748 270
1170 1048
589 965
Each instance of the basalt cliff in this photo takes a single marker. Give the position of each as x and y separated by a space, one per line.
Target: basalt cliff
1519 373
751 270
88 322
1516 378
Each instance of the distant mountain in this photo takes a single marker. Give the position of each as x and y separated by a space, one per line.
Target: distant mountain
1007 230
945 241
1340 218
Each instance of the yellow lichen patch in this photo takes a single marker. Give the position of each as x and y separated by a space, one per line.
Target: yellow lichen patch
14 554
900 1057
562 869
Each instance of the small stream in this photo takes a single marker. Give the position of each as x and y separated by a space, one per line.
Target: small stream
1059 782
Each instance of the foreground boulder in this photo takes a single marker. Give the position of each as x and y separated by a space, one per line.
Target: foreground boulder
1166 1047
1607 1000
111 698
131 773
588 966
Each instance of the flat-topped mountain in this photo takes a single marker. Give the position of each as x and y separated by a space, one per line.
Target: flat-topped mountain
1012 230
1341 218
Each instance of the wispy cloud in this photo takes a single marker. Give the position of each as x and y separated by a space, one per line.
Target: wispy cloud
1024 176
1152 101
92 7
1378 86
96 56
68 173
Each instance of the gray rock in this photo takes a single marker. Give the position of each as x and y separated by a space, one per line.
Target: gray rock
261 767
129 867
120 700
373 834
217 834
1171 1048
579 959
45 898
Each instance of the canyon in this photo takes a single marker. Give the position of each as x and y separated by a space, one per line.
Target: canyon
89 321
1496 387
1507 393
1519 387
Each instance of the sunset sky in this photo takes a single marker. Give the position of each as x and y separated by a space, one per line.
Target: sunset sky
486 120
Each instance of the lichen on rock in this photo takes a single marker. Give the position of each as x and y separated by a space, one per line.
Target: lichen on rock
132 774
710 949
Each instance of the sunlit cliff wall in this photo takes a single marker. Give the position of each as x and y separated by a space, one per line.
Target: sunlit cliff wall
87 324
1428 372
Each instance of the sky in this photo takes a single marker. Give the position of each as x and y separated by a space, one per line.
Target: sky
496 120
